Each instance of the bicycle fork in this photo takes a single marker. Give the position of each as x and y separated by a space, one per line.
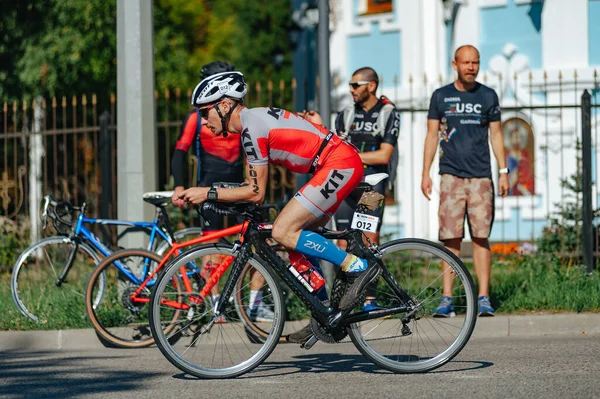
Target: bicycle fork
68 265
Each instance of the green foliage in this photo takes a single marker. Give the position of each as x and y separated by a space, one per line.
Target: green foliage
563 235
60 47
536 283
14 238
66 47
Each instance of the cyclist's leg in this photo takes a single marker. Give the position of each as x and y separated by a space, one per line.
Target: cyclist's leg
321 196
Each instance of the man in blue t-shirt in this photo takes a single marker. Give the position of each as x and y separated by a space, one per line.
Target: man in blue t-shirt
459 117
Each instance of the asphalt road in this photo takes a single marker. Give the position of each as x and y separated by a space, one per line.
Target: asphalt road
543 366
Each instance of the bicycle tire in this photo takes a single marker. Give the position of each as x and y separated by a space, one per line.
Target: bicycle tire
179 236
37 276
420 351
209 337
120 323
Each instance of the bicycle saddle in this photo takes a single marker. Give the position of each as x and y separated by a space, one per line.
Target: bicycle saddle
375 178
158 198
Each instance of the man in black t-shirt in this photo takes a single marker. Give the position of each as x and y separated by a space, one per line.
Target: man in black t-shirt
459 117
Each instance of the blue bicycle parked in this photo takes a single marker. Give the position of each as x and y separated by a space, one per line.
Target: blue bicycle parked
49 278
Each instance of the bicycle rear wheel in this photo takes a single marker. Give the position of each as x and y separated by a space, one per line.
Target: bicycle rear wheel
118 320
423 343
217 346
34 278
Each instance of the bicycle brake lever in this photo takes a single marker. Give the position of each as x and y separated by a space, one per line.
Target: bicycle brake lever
44 215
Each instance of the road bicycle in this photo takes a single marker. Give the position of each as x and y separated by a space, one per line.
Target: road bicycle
49 277
401 336
116 296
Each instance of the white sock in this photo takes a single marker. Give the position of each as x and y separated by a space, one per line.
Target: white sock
356 265
255 298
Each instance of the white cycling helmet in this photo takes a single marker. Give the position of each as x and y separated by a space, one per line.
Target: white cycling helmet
221 85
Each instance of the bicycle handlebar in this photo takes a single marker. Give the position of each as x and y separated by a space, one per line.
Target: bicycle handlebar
57 211
243 209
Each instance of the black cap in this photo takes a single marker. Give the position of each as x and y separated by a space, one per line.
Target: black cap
215 67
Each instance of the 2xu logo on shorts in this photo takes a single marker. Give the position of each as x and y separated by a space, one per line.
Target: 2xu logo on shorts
327 189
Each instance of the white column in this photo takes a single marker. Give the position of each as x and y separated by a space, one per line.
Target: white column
467 26
136 132
36 156
565 39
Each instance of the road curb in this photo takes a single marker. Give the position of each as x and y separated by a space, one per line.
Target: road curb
531 325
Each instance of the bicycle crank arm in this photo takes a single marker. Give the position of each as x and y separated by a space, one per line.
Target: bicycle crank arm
309 344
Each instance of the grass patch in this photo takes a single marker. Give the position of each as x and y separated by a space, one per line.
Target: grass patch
540 283
519 285
12 319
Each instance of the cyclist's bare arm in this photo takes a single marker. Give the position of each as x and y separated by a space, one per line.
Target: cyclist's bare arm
381 156
257 176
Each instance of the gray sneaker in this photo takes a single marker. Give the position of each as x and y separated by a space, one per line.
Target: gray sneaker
300 337
358 282
261 313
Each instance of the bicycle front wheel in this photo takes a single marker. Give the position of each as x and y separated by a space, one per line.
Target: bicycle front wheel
217 346
34 282
119 320
415 341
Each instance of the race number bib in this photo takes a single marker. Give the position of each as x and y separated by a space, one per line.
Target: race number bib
365 222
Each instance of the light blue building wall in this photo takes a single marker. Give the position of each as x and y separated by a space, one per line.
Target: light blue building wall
378 50
594 31
519 24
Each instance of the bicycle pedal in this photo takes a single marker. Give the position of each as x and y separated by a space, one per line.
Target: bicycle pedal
309 344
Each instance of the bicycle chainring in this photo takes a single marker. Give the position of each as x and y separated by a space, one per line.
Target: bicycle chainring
328 337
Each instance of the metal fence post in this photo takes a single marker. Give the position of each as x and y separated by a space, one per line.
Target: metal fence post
106 173
588 213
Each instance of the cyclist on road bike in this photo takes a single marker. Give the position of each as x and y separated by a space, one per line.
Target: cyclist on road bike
272 135
220 159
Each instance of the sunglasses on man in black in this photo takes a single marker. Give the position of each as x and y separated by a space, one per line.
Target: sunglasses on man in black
356 85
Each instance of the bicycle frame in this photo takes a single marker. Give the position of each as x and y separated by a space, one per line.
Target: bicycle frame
82 234
325 314
82 231
176 249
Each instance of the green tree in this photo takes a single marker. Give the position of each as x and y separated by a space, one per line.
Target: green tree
563 234
66 47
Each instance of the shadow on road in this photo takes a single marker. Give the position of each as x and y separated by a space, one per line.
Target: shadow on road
338 363
58 375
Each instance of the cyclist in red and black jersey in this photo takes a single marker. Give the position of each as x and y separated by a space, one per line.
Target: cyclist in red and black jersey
219 158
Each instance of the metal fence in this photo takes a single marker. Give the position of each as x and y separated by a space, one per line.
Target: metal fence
67 147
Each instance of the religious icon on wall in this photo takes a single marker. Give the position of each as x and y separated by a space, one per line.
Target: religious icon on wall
520 157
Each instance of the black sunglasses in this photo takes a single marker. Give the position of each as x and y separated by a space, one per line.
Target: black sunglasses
356 85
204 111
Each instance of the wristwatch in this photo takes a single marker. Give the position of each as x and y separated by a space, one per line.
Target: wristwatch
212 194
503 171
